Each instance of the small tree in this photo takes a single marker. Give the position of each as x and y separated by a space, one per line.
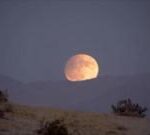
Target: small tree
56 127
127 108
3 96
5 106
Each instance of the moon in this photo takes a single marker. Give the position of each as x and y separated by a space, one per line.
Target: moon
81 67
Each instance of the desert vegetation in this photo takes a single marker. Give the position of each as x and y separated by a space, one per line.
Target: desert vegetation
56 127
128 108
5 105
3 96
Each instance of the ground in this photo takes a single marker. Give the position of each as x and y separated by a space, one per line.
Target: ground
25 120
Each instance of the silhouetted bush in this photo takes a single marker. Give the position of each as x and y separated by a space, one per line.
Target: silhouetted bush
56 127
127 108
5 105
3 96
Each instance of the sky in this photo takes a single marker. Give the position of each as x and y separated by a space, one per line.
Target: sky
37 37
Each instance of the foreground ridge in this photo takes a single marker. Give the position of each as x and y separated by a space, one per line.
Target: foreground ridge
26 120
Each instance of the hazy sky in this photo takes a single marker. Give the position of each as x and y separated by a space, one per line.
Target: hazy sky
38 36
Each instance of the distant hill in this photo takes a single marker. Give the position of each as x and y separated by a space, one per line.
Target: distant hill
94 95
10 84
7 82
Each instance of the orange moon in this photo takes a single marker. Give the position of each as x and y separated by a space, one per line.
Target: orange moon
81 67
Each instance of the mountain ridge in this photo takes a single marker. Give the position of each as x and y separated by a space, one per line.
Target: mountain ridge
93 95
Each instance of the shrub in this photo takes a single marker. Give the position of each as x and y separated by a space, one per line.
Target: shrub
127 108
56 127
3 96
5 106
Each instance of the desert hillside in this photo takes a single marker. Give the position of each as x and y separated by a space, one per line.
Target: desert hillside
25 120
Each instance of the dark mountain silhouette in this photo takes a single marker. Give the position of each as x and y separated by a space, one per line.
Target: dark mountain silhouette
93 95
